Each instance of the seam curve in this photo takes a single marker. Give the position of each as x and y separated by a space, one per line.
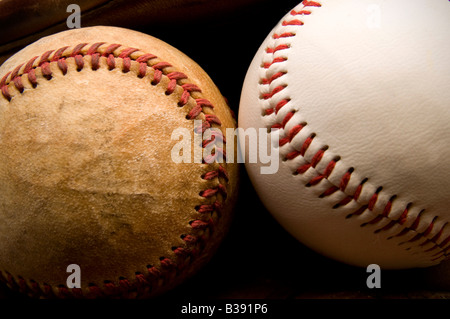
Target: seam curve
314 160
130 60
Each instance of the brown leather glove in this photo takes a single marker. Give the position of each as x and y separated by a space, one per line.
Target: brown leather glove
25 21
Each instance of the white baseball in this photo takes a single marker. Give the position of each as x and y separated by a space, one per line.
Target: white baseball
360 92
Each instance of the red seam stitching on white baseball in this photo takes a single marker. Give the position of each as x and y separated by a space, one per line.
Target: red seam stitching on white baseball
144 60
317 157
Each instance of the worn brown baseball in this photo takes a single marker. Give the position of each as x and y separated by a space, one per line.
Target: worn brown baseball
86 172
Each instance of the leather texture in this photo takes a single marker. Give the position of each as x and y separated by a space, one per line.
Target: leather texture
369 83
86 170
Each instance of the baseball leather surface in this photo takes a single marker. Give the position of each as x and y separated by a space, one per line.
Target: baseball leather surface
86 118
25 21
358 92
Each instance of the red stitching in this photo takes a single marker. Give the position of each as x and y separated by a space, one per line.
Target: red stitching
278 48
58 54
272 97
29 65
273 78
276 60
308 3
301 12
18 84
109 288
189 239
211 118
94 290
95 63
62 66
46 71
283 35
94 48
44 57
110 53
126 64
199 224
292 22
278 89
110 49
16 71
145 58
127 53
79 61
77 49
111 62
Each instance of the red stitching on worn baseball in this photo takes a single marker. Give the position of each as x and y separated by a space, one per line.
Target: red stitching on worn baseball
443 248
97 55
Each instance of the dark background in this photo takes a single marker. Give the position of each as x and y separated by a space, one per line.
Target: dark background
258 259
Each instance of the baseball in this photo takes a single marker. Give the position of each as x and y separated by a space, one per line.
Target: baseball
357 94
88 181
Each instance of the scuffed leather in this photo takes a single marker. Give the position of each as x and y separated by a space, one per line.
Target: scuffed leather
86 169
